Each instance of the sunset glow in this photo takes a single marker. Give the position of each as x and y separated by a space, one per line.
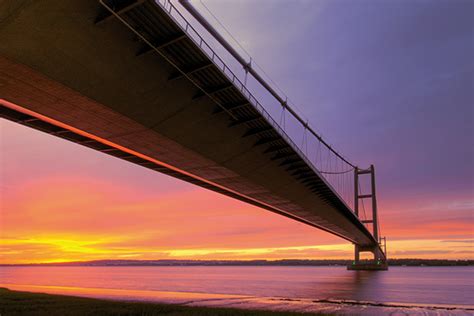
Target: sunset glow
92 206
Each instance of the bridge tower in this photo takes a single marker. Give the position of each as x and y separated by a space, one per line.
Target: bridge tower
380 261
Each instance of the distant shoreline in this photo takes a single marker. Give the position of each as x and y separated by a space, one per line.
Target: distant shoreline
283 262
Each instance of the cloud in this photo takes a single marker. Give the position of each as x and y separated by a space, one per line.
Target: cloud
466 241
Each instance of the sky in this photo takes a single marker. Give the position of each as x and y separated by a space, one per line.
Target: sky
386 82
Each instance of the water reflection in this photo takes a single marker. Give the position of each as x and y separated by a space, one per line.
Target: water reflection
346 285
420 285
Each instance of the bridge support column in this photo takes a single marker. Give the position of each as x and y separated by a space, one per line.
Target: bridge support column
356 254
379 262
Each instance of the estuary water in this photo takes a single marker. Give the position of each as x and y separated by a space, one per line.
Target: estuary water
440 290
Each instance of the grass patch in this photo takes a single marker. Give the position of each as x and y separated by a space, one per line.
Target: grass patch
15 303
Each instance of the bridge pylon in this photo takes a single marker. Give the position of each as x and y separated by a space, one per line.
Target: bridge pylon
380 258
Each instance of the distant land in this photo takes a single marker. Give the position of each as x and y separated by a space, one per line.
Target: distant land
283 262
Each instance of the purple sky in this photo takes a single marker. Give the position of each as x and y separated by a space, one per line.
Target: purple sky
387 82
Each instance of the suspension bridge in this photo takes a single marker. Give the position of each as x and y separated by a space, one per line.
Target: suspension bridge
138 80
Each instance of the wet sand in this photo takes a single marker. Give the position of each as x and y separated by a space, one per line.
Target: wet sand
249 302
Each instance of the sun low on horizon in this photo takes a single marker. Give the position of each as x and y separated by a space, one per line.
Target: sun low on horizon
63 202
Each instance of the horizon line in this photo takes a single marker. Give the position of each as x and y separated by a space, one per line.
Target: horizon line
220 260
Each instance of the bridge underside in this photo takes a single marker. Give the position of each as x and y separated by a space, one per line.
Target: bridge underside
96 84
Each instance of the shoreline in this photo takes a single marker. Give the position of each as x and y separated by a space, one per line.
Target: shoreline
39 304
249 305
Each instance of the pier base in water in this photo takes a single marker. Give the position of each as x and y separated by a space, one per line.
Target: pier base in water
368 266
379 263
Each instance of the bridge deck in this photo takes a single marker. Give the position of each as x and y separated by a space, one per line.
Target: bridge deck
175 108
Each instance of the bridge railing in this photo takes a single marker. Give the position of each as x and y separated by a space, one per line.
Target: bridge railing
332 168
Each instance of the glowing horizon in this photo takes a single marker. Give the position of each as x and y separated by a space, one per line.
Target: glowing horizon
69 216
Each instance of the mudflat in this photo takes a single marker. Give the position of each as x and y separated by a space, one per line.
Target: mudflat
25 303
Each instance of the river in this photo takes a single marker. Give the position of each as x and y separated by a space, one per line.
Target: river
443 290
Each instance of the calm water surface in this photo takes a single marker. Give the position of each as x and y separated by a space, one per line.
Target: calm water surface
409 285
